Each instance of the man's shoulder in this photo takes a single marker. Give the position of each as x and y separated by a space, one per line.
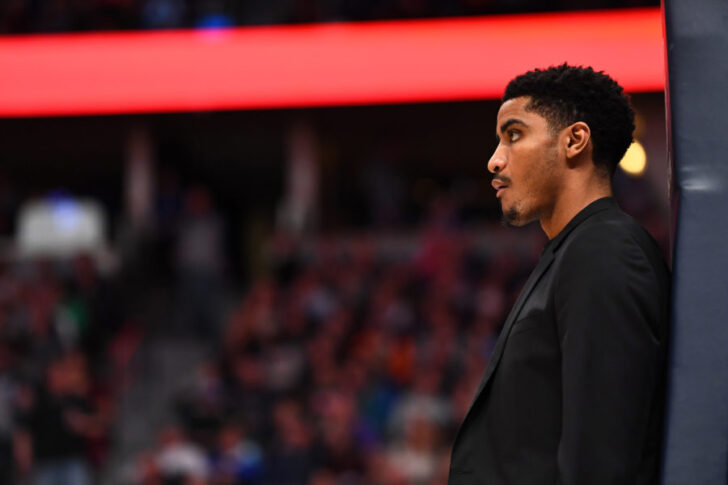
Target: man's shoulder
610 237
611 257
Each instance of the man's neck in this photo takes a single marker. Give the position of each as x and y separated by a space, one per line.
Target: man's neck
569 204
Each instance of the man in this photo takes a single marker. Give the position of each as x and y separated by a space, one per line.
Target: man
573 392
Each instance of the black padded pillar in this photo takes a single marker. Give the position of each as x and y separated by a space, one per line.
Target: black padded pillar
696 447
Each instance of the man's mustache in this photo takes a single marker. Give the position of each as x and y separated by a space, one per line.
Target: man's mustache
502 179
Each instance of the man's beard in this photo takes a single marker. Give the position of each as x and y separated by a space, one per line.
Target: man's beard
509 217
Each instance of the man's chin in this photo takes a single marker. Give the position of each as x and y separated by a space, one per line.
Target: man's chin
510 217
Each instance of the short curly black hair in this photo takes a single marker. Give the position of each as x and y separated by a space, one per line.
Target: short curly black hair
566 94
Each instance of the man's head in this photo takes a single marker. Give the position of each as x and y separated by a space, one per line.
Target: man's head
553 124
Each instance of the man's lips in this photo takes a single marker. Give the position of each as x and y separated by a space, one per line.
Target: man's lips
499 186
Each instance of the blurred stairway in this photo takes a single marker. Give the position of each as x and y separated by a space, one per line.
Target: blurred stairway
161 368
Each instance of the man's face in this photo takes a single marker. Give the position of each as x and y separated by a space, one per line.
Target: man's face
526 164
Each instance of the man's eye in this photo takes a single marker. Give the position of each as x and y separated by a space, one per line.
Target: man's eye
514 135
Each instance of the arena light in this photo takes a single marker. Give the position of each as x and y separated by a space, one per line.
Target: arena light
634 160
60 226
319 64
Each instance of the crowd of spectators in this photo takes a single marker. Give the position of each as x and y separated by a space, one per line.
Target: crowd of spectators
63 349
26 16
350 361
346 360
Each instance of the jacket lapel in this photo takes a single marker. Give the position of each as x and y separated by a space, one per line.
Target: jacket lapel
543 264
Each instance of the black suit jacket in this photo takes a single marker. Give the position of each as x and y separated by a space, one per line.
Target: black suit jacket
574 389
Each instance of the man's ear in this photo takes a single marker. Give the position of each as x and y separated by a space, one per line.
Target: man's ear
577 138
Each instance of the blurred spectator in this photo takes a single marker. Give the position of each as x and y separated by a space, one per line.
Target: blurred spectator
203 407
341 444
179 459
7 399
382 470
291 458
237 459
415 454
249 399
160 14
201 265
423 403
147 471
384 191
55 422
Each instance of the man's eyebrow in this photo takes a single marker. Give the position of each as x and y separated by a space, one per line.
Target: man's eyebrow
509 122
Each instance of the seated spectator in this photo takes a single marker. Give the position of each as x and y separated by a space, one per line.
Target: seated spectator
237 459
56 419
179 459
291 459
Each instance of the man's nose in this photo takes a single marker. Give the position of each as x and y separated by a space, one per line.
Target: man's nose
497 162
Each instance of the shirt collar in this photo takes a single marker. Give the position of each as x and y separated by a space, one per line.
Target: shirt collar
597 206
